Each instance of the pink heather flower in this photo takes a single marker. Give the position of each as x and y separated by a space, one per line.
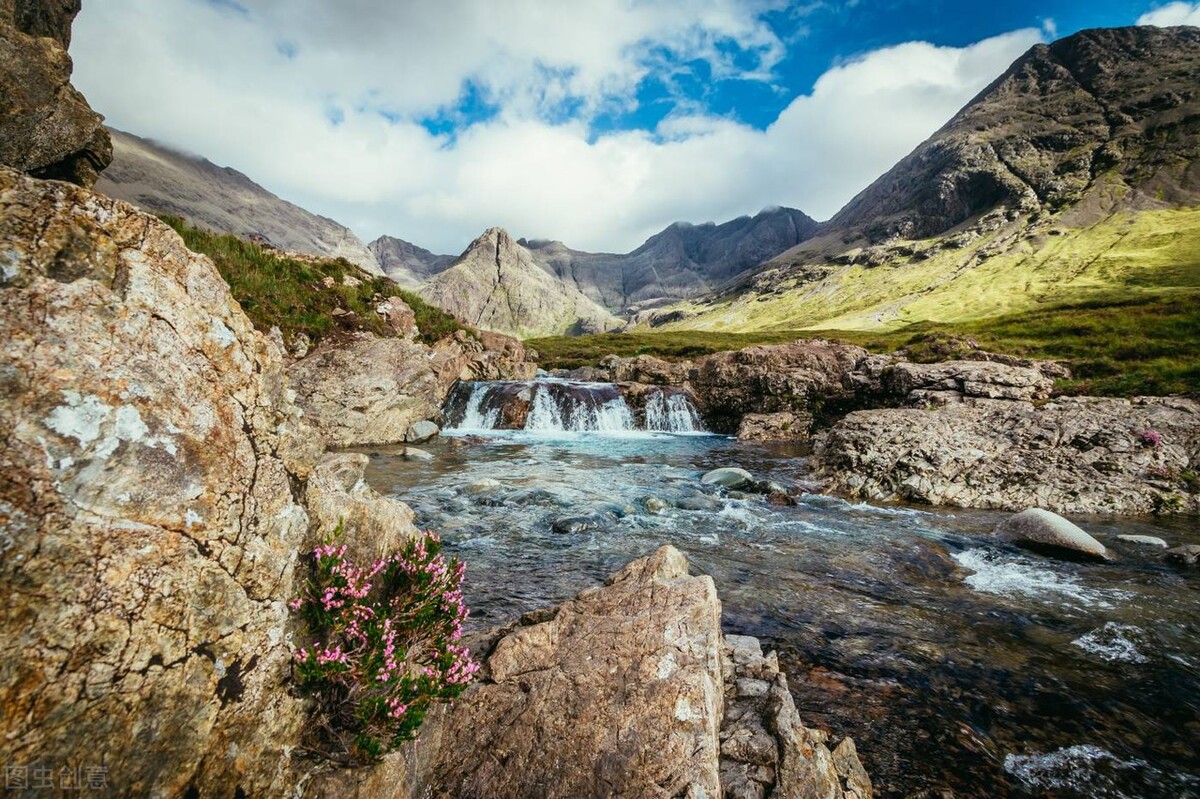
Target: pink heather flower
1151 437
396 709
296 603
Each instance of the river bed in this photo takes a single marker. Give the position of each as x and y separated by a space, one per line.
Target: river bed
955 662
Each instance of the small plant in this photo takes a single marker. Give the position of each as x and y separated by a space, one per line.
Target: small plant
384 646
1151 438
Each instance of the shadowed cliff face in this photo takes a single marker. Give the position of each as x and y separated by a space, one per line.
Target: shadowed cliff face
46 126
1102 107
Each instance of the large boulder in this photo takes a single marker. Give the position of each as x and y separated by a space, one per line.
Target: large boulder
341 505
1071 455
149 512
365 389
939 383
783 426
627 690
46 126
1042 530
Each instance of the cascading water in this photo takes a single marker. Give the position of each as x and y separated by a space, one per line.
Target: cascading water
672 413
551 405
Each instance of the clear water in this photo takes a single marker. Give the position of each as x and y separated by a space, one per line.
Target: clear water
954 662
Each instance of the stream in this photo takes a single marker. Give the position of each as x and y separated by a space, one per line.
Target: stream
956 662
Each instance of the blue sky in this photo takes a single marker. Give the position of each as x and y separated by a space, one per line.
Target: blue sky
597 122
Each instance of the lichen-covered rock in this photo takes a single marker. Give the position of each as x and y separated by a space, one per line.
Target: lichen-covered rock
629 690
46 126
149 525
1070 455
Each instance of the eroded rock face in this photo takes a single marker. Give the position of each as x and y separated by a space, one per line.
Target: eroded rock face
784 426
366 389
46 126
628 690
149 527
1071 455
950 381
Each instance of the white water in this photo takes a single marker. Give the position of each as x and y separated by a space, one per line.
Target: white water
561 406
672 414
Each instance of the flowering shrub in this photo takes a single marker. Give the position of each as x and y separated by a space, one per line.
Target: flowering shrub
1151 438
384 645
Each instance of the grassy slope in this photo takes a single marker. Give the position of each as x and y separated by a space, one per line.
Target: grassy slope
275 290
1129 256
1119 301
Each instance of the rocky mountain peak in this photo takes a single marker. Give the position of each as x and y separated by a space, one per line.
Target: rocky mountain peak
1096 110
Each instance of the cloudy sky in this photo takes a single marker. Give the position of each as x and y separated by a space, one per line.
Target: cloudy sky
597 122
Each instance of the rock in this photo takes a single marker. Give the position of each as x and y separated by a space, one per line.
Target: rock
626 690
46 127
422 431
1036 528
783 426
150 512
481 486
1070 455
416 454
586 523
365 389
1144 540
655 505
850 769
399 318
339 499
699 502
732 478
495 285
922 383
1187 555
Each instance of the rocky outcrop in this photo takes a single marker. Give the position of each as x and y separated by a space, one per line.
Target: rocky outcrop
495 285
1070 455
627 690
46 126
156 487
407 264
150 523
950 381
164 181
367 389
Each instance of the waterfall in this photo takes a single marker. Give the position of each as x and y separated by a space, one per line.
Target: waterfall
552 405
672 412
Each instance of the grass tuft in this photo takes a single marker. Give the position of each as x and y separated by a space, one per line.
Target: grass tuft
301 296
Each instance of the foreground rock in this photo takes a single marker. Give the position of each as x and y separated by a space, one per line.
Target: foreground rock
785 426
149 525
1040 529
46 125
1071 455
628 690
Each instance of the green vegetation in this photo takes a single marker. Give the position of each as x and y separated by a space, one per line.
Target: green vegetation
1115 347
1141 256
301 296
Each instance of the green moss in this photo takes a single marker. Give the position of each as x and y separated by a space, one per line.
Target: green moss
301 296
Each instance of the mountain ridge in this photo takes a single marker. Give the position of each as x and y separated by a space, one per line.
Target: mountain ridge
164 180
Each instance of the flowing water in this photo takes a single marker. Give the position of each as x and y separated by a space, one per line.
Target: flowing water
955 662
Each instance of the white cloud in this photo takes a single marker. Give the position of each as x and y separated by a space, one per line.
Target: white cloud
1172 14
219 82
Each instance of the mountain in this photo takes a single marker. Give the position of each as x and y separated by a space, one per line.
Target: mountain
164 181
405 263
496 285
1074 176
682 261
